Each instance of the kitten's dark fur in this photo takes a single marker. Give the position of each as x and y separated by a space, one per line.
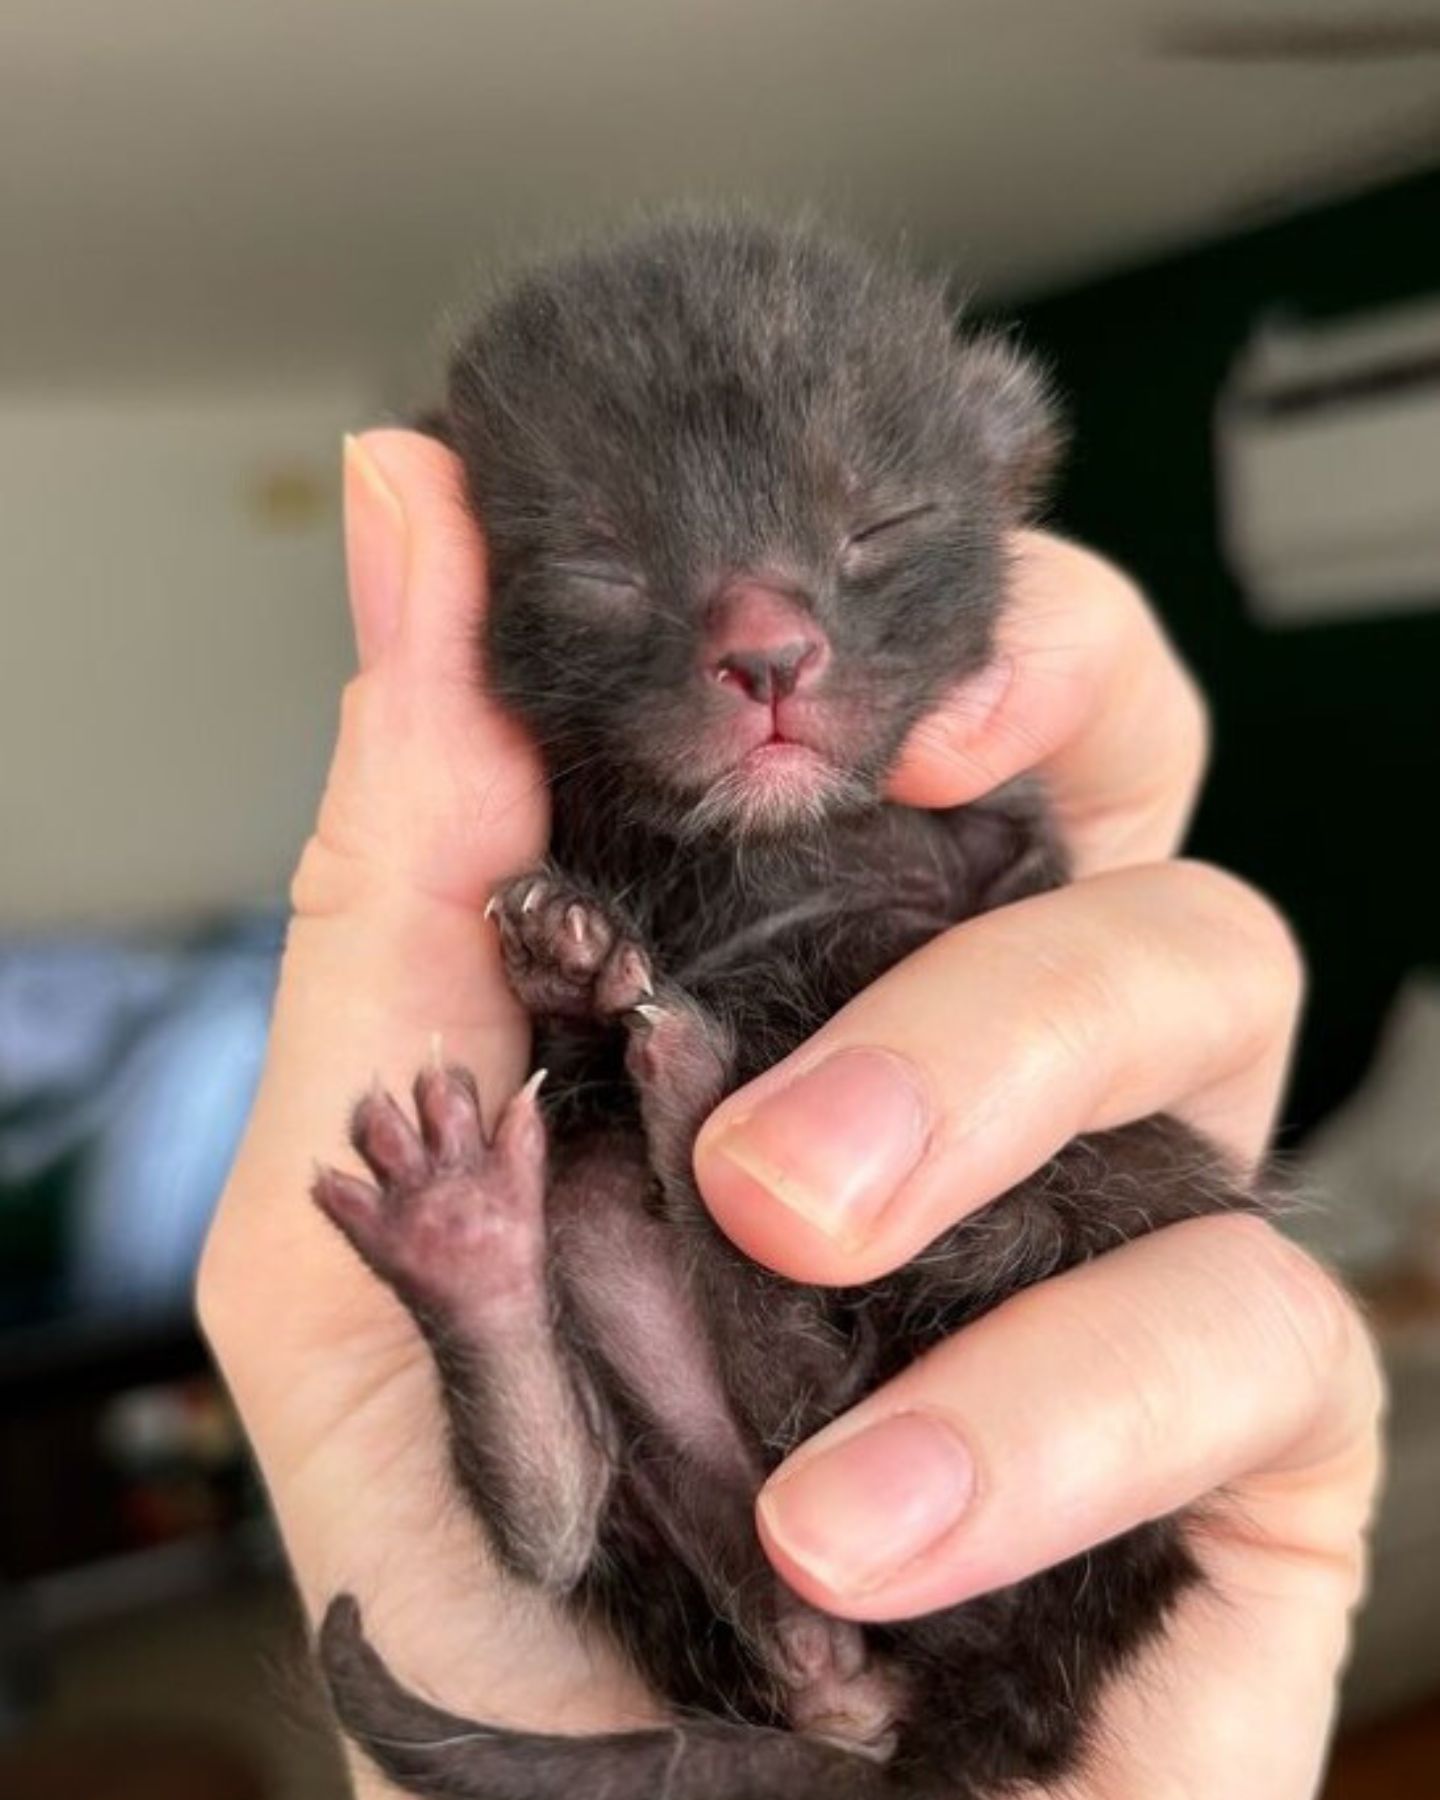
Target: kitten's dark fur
716 407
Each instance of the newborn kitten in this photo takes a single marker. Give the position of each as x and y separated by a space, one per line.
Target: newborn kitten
746 497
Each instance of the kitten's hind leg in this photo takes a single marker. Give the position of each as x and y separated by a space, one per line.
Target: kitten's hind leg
694 1467
455 1225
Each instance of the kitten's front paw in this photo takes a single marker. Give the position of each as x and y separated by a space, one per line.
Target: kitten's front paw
564 955
455 1218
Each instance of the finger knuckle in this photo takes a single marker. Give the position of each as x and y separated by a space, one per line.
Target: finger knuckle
1191 724
1257 933
1113 600
359 698
325 880
1120 616
1294 1293
1068 994
1124 631
216 1294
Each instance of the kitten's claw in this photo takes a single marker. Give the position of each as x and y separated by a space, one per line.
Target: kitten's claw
565 956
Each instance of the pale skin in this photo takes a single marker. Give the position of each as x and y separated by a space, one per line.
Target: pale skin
1212 1362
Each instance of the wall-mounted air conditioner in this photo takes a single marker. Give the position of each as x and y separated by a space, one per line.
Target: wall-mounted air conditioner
1328 444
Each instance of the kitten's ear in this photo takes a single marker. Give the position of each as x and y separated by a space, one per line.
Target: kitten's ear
1015 416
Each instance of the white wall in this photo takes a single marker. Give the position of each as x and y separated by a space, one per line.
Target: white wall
172 642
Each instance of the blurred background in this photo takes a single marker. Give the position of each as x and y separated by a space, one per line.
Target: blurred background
229 233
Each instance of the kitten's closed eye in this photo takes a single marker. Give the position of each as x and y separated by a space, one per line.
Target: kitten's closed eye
891 522
874 538
602 577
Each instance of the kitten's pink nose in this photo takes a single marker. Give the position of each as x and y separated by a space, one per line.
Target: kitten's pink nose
764 644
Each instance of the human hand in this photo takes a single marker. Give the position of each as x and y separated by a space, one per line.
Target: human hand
434 798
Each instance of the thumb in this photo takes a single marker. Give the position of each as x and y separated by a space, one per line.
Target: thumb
432 786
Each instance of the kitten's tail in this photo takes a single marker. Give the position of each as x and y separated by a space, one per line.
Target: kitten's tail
435 1755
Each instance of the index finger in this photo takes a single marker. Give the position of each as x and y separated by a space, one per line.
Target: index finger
1087 692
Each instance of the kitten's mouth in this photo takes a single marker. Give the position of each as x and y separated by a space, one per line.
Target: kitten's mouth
784 769
780 752
775 786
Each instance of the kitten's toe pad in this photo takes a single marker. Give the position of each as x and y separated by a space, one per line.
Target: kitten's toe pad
454 1217
565 956
835 1690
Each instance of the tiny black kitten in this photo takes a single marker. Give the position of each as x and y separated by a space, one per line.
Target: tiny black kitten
746 497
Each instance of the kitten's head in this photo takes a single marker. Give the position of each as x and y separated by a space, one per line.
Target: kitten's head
745 495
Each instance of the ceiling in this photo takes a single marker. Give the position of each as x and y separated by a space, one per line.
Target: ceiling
280 185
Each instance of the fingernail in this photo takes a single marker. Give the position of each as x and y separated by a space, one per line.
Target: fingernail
857 1513
375 552
836 1142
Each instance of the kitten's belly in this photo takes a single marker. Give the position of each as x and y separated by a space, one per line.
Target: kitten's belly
622 1271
